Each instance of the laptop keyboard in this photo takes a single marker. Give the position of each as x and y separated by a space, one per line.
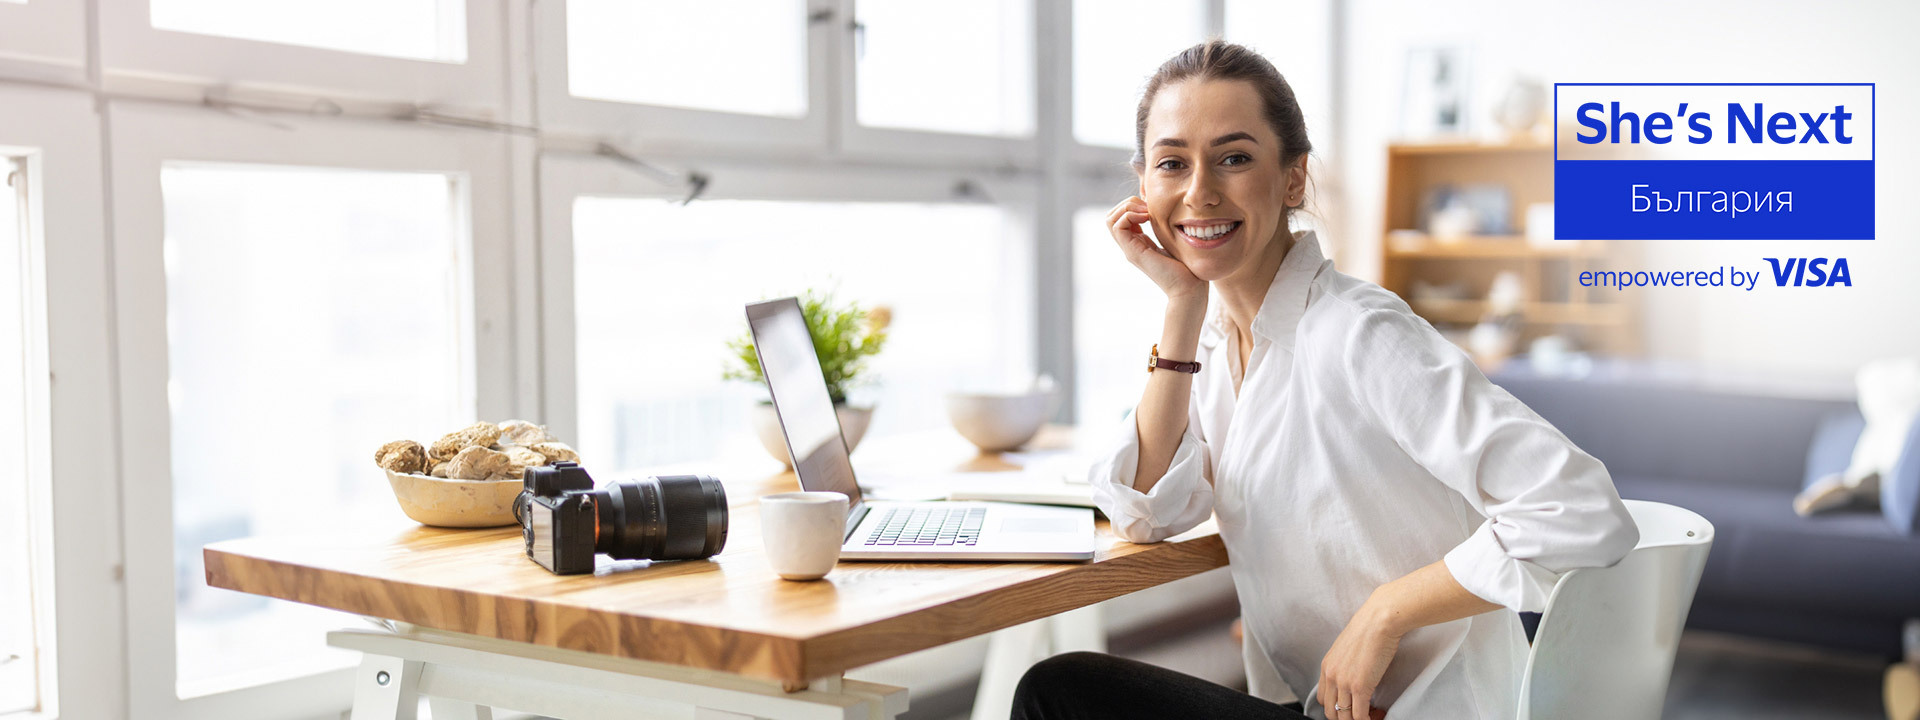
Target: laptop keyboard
929 526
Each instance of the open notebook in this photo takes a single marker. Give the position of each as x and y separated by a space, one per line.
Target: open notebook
1046 477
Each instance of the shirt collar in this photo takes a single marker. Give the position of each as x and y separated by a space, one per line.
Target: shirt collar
1286 300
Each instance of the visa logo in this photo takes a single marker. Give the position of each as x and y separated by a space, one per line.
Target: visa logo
1810 272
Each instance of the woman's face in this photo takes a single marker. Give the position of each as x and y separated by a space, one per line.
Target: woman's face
1213 180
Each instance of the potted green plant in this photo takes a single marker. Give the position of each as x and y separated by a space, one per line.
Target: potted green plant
844 337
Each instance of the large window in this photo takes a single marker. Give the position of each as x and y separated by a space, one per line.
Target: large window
46 31
312 315
660 288
281 292
1305 59
59 553
1117 44
417 29
1117 317
742 56
447 55
21 545
963 67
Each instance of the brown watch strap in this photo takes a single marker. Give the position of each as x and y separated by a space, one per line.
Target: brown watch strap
1155 362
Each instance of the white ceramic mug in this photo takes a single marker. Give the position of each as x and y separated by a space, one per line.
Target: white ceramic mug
802 532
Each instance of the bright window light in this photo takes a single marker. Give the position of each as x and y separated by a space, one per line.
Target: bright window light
963 68
1117 44
1117 317
19 527
661 288
312 315
1295 38
740 56
416 29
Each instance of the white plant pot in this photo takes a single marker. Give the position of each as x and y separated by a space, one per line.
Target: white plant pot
766 424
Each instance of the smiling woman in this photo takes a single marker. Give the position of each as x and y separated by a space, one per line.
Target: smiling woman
1394 497
1225 156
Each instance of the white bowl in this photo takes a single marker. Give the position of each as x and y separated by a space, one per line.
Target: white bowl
443 502
998 423
766 426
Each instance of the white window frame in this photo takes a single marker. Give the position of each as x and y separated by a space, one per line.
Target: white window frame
866 142
1104 186
1098 158
28 164
830 129
112 603
645 127
78 603
565 178
1101 157
148 136
44 40
133 52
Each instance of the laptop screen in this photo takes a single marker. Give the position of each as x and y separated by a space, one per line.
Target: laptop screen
799 391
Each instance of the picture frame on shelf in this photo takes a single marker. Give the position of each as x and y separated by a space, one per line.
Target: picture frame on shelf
1452 211
1436 92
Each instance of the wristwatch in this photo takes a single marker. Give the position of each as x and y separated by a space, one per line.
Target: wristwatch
1155 362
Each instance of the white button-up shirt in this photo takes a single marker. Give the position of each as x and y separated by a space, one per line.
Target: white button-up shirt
1360 447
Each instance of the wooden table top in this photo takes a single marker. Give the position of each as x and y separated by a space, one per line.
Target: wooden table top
728 613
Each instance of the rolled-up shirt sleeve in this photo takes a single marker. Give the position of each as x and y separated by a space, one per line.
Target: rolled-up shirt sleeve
1548 506
1182 499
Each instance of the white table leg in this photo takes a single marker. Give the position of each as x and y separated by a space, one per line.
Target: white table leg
1009 653
386 688
466 675
451 709
1083 629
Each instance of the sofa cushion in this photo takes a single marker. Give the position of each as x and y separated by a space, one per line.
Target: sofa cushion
1826 487
1833 443
1900 489
1845 561
1645 426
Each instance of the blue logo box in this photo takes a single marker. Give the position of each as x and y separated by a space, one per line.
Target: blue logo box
1625 185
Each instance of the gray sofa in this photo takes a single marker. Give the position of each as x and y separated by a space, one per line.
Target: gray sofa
1843 580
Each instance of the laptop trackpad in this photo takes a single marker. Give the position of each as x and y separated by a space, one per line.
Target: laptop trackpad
1038 525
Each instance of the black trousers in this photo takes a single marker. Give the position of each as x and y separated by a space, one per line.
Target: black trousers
1104 687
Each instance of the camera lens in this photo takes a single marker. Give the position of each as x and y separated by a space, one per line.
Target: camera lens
677 517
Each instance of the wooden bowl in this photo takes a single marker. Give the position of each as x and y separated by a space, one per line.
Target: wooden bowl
443 502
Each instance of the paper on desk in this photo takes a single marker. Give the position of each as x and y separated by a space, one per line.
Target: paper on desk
1012 486
907 487
1027 487
1069 466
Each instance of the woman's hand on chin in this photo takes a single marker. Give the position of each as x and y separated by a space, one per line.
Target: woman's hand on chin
1352 669
1162 267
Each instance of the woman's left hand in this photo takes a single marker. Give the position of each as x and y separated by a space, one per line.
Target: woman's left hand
1354 665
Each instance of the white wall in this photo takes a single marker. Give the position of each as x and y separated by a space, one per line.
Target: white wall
1796 330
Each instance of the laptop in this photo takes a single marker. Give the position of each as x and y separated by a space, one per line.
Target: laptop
893 530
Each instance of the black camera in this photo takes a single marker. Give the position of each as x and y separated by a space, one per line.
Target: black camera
566 521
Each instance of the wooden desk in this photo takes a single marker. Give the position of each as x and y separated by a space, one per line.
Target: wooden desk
728 614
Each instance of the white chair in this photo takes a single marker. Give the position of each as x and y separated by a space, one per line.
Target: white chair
1604 647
